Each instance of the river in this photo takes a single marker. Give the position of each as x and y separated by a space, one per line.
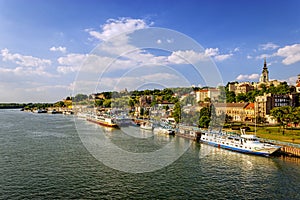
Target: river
46 156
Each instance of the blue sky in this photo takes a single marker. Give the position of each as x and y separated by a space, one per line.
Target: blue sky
44 43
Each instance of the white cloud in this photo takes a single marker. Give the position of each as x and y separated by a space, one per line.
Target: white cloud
247 77
158 41
211 52
70 62
185 57
263 56
249 57
190 56
223 57
114 27
22 60
236 49
60 49
290 53
26 72
268 46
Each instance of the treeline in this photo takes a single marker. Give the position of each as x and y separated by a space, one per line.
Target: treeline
31 106
11 105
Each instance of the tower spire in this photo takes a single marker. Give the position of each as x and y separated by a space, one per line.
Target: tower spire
264 78
265 64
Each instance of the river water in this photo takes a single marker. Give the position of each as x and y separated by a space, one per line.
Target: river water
45 157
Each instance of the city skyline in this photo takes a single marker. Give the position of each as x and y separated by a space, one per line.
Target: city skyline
43 43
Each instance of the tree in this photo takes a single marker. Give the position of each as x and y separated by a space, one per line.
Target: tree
98 102
80 97
230 96
142 111
241 97
107 103
282 114
204 119
177 112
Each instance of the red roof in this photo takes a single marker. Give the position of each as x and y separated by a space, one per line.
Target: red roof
250 106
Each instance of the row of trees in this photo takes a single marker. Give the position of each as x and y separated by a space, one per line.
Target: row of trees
286 115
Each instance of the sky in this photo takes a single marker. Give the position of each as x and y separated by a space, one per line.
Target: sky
54 49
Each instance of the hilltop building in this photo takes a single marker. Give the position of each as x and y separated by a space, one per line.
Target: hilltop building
264 77
245 87
238 88
211 93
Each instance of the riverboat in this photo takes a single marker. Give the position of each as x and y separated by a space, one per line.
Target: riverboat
243 143
102 120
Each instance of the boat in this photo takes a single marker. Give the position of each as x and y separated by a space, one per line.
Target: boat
40 111
244 143
146 126
164 130
123 120
102 120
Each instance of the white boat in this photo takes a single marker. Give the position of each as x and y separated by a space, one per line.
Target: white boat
243 143
165 131
146 126
102 120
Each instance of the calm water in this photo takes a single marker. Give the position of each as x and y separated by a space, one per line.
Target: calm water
42 157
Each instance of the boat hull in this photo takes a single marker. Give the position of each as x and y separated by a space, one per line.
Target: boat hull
102 123
261 152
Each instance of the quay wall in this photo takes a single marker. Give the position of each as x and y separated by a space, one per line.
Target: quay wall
290 151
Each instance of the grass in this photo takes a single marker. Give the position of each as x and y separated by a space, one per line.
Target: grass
275 133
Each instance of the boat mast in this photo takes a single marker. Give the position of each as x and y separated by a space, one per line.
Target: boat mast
255 116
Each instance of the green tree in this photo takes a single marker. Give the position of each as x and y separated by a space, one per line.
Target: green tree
177 112
204 119
80 97
230 96
241 97
107 103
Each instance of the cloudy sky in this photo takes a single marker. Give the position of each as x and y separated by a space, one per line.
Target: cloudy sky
51 49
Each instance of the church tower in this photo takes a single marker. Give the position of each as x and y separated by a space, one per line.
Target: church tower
264 77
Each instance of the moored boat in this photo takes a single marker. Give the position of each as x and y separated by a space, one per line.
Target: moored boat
102 120
163 130
243 143
146 126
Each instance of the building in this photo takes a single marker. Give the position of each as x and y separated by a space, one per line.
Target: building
249 112
244 88
235 110
264 104
264 77
211 93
